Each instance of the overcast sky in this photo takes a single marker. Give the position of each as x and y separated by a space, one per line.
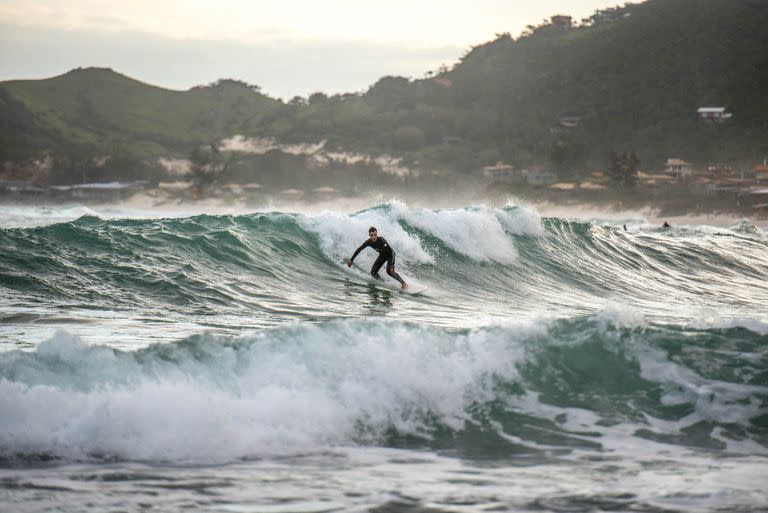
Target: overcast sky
288 47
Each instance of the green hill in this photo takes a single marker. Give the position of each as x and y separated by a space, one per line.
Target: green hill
558 97
98 108
635 83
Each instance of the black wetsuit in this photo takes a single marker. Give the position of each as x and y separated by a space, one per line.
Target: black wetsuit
386 254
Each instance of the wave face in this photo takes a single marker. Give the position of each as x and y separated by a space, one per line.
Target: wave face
262 269
583 384
536 335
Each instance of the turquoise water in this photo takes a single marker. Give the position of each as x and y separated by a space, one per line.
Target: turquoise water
234 363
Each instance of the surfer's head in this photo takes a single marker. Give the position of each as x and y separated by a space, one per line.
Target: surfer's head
373 234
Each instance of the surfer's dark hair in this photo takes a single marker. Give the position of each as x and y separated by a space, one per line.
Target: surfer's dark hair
372 229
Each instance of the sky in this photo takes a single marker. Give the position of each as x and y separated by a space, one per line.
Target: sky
288 47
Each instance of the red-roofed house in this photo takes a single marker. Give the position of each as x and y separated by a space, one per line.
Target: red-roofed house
761 172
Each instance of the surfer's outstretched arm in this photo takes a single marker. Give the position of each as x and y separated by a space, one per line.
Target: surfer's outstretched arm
357 251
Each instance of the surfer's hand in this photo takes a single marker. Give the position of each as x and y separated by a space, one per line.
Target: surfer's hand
349 263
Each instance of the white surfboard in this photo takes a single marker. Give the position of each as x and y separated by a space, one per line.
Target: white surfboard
412 288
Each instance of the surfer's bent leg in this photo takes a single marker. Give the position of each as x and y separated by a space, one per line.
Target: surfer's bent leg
391 269
377 266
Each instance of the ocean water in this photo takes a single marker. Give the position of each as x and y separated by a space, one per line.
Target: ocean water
152 361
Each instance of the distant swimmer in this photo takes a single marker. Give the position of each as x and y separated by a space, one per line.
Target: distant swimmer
386 254
665 225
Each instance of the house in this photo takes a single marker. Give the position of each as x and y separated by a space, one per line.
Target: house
679 168
251 187
504 173
713 114
761 172
606 16
562 22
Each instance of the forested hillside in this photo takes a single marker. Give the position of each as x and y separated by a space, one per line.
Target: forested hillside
557 96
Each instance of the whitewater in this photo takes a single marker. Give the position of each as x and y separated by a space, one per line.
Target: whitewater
171 361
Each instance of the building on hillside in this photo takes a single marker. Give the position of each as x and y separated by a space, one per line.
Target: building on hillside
562 22
761 172
505 173
724 172
604 16
252 187
679 168
713 114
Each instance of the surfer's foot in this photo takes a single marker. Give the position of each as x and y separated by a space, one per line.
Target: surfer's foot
403 285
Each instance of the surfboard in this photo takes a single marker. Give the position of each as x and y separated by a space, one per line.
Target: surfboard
413 288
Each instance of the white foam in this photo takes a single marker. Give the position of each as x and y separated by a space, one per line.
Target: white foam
709 318
283 391
340 234
479 233
475 233
33 216
621 314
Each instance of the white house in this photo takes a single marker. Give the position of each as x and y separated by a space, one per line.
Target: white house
504 173
713 114
679 168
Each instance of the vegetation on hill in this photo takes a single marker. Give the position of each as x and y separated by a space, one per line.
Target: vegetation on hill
555 97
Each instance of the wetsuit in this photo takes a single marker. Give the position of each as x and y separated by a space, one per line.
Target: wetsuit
386 254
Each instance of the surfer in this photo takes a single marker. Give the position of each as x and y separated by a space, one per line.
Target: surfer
386 254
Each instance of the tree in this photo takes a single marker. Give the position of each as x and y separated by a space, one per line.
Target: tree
622 168
206 166
408 138
317 98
